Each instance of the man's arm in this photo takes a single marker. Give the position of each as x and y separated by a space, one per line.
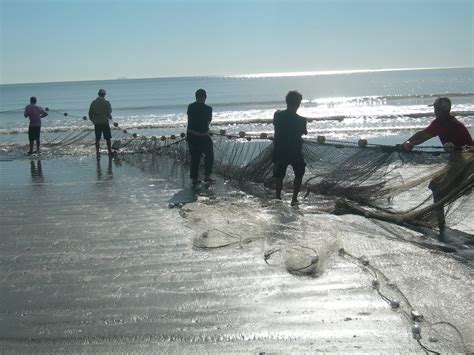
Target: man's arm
91 113
109 110
418 138
43 113
275 119
210 114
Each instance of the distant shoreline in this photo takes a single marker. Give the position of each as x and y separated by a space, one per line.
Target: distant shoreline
253 76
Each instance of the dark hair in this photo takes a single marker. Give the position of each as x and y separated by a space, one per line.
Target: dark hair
32 100
293 98
200 93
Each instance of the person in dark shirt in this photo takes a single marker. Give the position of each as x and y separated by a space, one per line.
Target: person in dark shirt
198 138
100 113
450 131
288 144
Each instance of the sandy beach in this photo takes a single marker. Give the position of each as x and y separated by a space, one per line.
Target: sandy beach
94 260
371 103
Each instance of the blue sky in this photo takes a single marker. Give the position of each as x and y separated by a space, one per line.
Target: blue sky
66 40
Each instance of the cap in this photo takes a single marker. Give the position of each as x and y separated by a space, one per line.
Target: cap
442 103
102 92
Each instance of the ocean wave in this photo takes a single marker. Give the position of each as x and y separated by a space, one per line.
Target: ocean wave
421 114
352 129
252 120
383 99
181 107
358 100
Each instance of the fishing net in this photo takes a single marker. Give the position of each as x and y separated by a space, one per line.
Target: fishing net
348 257
393 188
408 188
366 256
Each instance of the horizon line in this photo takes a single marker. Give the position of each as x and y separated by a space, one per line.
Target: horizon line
255 75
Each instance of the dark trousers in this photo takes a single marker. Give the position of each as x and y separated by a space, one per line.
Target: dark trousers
197 147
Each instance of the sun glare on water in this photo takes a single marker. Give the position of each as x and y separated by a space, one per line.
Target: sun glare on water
320 72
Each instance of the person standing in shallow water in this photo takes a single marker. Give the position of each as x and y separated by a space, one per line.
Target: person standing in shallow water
449 130
288 144
100 112
35 114
198 137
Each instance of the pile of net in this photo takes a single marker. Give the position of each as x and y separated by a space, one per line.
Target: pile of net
374 180
429 290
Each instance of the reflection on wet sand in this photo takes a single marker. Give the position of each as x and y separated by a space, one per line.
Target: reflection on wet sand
108 267
109 172
36 172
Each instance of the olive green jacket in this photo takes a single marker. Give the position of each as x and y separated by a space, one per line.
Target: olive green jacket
100 111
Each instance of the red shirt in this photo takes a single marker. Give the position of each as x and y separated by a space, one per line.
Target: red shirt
450 130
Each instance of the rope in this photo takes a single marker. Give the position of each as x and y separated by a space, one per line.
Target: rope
405 307
395 304
206 234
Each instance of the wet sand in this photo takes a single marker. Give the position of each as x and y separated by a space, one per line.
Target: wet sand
93 260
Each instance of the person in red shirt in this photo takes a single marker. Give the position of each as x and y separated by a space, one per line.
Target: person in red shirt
449 130
445 126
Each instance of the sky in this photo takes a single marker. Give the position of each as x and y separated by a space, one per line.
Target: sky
69 40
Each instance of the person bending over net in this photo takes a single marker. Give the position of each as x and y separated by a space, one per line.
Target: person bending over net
454 136
288 145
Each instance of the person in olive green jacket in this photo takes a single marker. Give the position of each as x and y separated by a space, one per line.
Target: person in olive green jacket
100 112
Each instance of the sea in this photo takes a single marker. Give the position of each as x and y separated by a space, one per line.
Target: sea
95 257
382 106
